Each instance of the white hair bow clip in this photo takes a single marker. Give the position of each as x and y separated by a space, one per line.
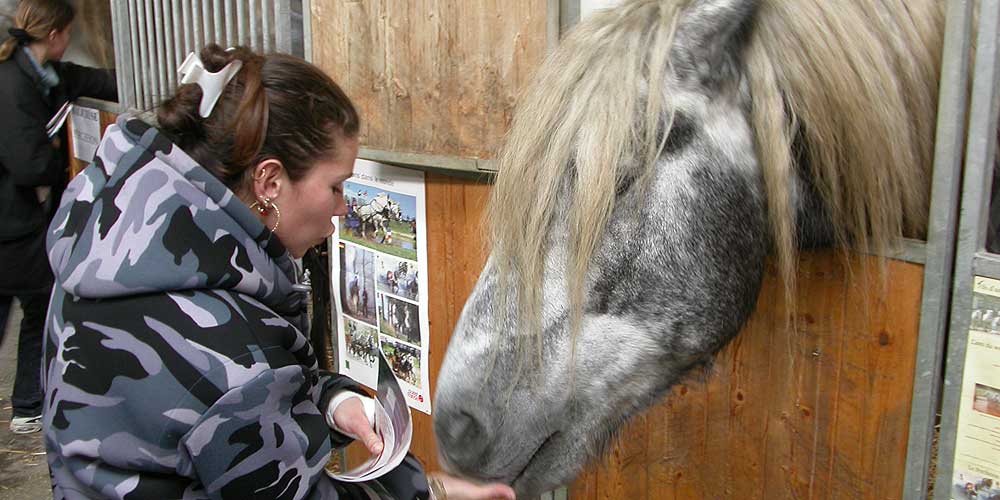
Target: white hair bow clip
193 71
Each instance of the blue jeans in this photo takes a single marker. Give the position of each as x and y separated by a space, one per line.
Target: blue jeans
27 396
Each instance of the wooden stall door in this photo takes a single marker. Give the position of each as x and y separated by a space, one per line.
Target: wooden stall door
821 413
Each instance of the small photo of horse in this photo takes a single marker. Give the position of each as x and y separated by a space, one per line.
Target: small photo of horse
985 313
987 400
399 318
398 277
360 342
357 282
380 219
404 359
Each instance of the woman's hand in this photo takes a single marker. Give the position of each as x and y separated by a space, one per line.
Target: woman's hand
351 419
460 489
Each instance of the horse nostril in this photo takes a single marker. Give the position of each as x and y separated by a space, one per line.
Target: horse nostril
462 436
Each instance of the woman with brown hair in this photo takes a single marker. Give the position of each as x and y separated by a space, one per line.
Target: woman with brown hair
34 85
177 363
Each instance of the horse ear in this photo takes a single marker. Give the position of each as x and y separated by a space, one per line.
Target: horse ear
708 39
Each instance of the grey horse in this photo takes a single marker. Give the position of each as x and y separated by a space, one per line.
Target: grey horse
665 151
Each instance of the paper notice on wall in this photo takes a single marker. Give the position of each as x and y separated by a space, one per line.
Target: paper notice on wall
379 265
86 124
977 446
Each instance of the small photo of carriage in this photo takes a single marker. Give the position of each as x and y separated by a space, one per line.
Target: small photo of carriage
399 318
398 277
404 360
357 282
379 219
361 344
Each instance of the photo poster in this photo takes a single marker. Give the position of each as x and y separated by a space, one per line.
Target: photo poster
977 446
379 266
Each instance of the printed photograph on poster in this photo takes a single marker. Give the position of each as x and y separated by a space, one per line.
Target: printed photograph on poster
361 343
357 277
399 318
987 400
380 219
968 485
985 314
398 277
404 359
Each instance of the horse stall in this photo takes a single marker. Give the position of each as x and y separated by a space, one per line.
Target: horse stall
810 401
831 395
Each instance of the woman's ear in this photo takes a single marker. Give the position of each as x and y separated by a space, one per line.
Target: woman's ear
268 178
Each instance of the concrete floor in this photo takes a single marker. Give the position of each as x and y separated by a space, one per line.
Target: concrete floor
24 474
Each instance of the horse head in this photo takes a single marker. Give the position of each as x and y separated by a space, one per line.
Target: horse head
393 210
662 152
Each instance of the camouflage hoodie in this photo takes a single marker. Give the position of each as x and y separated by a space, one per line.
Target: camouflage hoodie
175 360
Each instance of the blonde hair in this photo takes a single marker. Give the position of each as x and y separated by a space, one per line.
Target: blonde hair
96 17
854 82
38 18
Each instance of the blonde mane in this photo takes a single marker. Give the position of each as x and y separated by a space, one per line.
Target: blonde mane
851 86
580 127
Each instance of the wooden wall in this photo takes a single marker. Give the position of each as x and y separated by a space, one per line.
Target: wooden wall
435 77
820 413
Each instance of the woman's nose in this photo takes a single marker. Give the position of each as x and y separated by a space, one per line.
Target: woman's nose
340 209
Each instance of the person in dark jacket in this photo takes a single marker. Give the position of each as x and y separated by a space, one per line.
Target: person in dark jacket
177 361
34 85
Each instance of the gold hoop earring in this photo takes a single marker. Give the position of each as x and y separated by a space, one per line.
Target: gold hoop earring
262 206
277 217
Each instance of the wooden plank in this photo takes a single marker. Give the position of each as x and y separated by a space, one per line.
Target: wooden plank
456 251
821 412
436 77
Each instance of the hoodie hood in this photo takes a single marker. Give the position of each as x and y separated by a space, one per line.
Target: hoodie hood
145 217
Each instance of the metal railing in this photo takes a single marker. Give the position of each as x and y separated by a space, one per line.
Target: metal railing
152 38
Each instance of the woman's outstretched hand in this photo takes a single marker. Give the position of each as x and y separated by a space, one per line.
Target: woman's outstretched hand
350 417
460 489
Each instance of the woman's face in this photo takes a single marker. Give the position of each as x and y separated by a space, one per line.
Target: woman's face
58 42
309 205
